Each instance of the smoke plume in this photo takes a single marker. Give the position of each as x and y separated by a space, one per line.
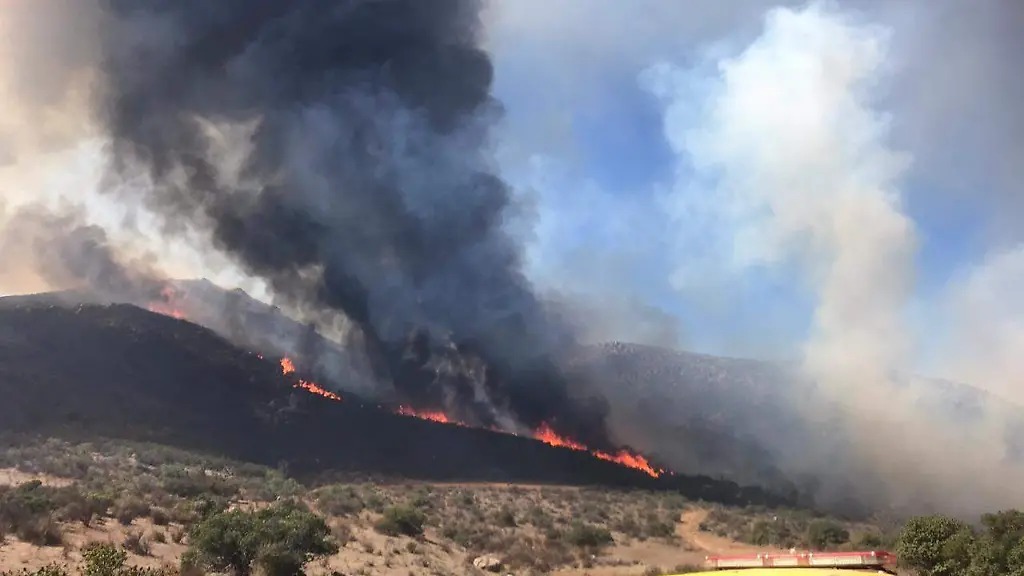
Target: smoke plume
65 251
792 159
339 151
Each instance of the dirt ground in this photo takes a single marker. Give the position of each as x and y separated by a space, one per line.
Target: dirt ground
693 547
368 552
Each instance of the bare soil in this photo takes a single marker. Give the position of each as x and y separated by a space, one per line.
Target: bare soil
368 552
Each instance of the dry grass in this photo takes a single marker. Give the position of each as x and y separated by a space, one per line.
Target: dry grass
144 498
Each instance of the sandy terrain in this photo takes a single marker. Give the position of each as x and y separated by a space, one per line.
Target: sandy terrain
368 552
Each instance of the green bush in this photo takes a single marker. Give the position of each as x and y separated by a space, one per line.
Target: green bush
401 521
279 539
941 546
135 542
826 534
932 545
506 518
128 509
339 501
104 560
41 531
48 570
588 536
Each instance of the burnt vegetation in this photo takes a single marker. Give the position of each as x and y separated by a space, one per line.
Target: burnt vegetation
123 372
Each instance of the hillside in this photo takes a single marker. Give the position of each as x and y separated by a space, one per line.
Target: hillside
147 498
123 372
746 419
732 418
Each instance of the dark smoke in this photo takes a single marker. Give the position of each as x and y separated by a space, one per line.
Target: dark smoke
368 188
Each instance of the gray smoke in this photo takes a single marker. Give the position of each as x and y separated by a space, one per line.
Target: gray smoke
64 250
339 150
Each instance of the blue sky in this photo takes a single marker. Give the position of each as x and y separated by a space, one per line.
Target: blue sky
618 150
576 105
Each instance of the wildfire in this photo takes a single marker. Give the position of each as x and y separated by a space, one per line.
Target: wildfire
288 367
547 435
314 389
635 461
432 415
166 305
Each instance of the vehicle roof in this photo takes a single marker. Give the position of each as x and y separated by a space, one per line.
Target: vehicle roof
802 571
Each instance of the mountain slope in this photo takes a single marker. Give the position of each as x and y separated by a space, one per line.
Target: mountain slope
749 420
123 372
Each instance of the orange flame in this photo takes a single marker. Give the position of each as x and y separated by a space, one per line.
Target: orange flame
166 306
288 367
432 415
635 461
314 389
545 434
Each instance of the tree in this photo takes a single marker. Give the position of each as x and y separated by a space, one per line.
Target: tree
1015 559
935 546
280 539
825 534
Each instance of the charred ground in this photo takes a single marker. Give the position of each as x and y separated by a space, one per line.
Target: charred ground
119 371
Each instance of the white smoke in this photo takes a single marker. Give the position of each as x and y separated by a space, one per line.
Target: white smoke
984 342
794 172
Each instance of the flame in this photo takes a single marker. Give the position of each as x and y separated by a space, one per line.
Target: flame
635 461
288 367
166 305
432 415
314 389
545 434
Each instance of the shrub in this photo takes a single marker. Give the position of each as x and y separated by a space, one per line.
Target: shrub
104 560
134 542
401 521
48 570
588 536
825 534
280 539
41 531
870 540
159 517
27 508
339 501
506 518
128 509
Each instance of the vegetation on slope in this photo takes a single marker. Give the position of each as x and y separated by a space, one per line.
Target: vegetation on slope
234 517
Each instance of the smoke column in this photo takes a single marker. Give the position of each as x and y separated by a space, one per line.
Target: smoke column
339 151
793 161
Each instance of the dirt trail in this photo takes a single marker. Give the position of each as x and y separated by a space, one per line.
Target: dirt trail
708 543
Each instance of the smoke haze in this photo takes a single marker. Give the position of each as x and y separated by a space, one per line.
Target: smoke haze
351 162
366 186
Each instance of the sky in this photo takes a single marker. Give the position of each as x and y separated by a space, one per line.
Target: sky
603 100
832 183
776 179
